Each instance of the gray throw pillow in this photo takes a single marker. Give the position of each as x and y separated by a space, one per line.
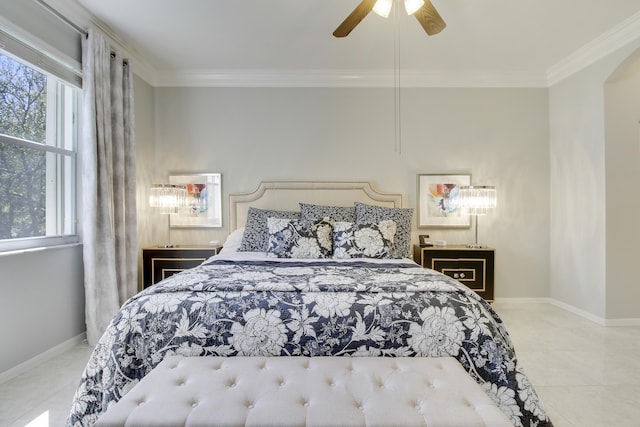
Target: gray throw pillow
256 231
311 213
352 240
367 214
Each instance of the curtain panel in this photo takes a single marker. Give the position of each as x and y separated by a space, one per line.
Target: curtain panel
108 199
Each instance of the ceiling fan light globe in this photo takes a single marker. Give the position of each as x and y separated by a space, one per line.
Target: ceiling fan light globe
412 6
383 7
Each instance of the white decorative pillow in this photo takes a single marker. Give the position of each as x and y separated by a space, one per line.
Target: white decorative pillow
232 243
299 239
374 240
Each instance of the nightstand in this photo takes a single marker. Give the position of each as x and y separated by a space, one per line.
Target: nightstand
160 263
472 267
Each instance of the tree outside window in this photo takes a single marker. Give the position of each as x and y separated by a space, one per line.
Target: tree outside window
36 165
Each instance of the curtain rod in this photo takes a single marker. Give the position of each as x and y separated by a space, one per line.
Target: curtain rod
61 17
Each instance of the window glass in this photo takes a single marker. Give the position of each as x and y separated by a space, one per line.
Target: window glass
37 153
22 191
24 100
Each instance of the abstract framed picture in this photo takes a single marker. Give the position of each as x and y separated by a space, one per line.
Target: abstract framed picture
204 201
438 197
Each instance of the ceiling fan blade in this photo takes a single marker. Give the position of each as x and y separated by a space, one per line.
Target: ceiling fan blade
354 18
430 19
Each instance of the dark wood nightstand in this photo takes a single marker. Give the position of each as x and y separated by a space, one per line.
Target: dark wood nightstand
160 263
472 267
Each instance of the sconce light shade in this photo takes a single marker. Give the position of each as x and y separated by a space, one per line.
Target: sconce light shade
477 200
168 198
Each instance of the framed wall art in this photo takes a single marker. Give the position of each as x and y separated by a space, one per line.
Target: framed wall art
204 201
438 201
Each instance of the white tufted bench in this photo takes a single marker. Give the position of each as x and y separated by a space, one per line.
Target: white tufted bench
299 391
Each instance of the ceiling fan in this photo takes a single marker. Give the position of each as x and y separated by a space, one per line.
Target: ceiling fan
423 10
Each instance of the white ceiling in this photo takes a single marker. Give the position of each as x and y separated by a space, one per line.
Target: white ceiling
518 42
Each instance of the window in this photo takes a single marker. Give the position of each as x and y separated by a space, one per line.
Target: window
37 156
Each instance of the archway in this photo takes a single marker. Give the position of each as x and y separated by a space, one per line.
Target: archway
622 166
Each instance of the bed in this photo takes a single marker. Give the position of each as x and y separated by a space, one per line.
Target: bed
311 269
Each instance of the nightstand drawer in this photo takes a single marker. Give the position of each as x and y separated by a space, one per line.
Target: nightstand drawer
473 267
471 272
160 263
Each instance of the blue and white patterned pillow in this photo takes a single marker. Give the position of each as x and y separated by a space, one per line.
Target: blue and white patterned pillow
313 213
367 214
256 233
299 239
352 240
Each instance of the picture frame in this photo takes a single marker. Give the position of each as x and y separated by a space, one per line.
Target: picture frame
438 201
204 201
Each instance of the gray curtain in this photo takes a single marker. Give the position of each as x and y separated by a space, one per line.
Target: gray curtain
108 199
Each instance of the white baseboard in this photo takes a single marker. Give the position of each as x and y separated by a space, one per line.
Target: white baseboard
42 357
623 322
577 311
582 313
524 300
599 320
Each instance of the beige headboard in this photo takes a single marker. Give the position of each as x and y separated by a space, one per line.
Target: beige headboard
285 195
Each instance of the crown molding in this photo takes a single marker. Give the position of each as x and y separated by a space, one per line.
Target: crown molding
273 78
620 35
345 78
472 78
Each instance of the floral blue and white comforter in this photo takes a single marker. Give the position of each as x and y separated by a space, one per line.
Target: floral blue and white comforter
276 308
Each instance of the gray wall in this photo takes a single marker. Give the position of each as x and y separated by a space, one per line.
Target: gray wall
43 291
42 302
148 229
584 242
500 136
622 162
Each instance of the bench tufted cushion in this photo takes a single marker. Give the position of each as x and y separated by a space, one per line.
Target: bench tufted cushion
317 391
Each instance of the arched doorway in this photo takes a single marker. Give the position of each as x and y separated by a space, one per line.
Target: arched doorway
622 166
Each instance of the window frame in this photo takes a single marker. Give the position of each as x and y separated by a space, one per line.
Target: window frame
61 194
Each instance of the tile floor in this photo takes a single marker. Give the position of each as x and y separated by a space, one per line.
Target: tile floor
42 396
586 375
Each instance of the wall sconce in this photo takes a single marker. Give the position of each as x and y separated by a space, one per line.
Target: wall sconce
168 199
477 200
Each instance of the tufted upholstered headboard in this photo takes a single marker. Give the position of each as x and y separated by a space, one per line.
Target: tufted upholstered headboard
285 195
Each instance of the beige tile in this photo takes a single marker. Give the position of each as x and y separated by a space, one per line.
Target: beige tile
557 417
607 368
54 409
595 406
554 368
49 387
